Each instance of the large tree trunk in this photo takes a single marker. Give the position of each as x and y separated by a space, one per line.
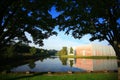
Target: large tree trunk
116 46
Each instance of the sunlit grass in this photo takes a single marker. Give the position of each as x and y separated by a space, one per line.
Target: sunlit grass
80 76
89 57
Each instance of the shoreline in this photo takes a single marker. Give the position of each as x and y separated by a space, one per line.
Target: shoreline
67 72
89 57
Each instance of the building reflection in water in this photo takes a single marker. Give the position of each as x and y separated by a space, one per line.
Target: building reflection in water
93 64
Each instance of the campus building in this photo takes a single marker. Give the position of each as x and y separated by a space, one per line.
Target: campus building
94 50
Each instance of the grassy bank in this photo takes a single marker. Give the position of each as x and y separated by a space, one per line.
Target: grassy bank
89 57
39 76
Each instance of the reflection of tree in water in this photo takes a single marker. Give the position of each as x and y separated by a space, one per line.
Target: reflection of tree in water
118 63
71 63
63 60
41 59
31 64
118 69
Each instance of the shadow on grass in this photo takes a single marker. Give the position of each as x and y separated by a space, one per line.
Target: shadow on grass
43 76
24 76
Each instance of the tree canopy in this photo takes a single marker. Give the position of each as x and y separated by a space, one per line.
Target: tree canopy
100 18
19 17
33 50
63 51
71 50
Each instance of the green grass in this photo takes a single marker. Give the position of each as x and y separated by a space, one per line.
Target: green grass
80 76
89 57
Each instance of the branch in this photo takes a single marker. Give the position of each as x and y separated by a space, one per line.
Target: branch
7 20
4 4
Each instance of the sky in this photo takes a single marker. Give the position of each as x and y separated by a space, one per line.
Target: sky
57 42
61 40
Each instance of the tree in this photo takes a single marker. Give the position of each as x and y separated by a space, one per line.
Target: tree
100 18
22 48
10 51
63 51
19 17
33 50
71 50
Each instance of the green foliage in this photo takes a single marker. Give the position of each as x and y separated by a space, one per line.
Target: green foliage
19 18
52 52
100 19
63 51
32 50
10 51
71 50
22 48
90 57
44 52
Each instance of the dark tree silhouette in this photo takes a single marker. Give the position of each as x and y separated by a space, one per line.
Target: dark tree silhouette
63 51
100 18
18 17
71 50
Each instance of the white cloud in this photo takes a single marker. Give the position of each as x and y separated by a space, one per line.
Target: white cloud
57 42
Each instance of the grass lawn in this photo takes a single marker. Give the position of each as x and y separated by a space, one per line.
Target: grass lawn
89 57
76 76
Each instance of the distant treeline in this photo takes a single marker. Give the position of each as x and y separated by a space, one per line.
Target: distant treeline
25 50
65 51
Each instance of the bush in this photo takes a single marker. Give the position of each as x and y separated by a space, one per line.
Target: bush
10 51
33 50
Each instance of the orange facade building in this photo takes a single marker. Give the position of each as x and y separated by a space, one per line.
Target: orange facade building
95 50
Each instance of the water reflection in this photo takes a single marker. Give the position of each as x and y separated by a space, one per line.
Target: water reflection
71 62
31 64
63 60
119 69
97 64
47 65
68 64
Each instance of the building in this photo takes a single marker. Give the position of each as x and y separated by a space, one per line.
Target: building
94 50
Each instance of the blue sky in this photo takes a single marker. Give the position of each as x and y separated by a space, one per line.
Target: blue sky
57 42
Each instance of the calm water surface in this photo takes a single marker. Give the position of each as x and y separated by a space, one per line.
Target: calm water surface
67 64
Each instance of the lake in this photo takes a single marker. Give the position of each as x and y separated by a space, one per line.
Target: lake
56 64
